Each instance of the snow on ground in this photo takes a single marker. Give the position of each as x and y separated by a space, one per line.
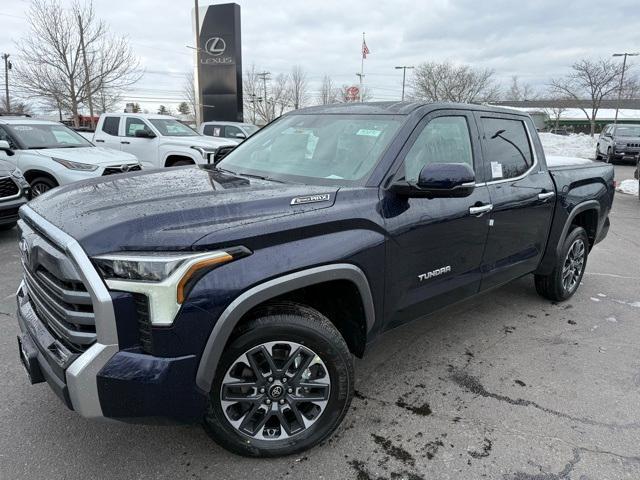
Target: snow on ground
629 186
580 145
562 161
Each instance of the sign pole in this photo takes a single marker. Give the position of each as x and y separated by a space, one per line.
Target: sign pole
361 68
198 91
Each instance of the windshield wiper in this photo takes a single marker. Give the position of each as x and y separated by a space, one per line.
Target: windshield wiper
260 177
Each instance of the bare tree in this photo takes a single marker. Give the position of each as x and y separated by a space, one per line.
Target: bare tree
593 80
328 93
520 91
17 106
189 91
298 87
106 100
447 82
52 67
279 97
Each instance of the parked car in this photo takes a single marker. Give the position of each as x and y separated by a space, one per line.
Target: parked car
230 130
618 142
559 131
156 140
239 298
14 192
50 154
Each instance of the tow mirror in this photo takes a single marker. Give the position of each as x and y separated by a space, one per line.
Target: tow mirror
439 180
6 148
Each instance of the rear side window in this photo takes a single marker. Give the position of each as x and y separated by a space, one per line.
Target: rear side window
111 125
507 147
212 130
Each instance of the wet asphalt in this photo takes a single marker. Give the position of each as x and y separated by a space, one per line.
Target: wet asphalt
503 386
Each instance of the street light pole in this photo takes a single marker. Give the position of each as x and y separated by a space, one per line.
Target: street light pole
624 65
404 74
7 67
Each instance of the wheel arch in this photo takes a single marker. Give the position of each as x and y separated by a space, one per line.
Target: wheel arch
33 173
171 158
274 289
586 215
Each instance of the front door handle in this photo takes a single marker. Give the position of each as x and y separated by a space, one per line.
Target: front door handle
125 143
545 195
481 210
101 141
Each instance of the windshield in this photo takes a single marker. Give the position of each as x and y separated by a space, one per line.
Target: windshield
316 149
627 130
34 136
250 129
172 128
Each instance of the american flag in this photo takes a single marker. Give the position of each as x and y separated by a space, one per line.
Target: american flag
365 49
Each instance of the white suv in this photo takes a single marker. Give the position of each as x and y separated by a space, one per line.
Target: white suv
50 154
157 140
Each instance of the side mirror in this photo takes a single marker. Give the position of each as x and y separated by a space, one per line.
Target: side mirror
144 134
439 180
222 152
240 135
6 148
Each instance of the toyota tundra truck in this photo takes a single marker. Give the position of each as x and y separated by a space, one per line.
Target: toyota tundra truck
237 294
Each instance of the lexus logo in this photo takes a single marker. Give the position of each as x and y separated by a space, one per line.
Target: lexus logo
125 168
215 46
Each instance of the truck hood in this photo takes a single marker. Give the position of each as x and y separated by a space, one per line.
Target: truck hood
169 209
92 155
199 141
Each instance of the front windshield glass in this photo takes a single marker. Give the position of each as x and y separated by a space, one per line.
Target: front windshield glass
316 149
44 135
250 129
172 128
628 130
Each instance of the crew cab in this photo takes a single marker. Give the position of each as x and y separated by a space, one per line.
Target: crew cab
156 140
238 293
14 192
50 154
618 142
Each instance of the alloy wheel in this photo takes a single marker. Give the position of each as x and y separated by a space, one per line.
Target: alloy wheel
275 390
38 189
573 265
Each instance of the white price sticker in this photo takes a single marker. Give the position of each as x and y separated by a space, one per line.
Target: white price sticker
496 170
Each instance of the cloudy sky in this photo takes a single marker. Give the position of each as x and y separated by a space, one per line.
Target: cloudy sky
535 40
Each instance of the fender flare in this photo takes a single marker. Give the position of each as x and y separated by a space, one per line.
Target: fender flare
264 291
581 207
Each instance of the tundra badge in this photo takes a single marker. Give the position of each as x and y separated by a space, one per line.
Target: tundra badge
434 273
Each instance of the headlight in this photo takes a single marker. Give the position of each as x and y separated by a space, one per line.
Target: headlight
75 165
163 277
206 151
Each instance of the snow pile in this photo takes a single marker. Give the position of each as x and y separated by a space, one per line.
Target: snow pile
580 145
629 186
562 161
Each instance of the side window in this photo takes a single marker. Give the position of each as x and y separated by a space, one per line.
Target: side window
231 131
507 147
213 130
4 135
111 125
443 140
133 125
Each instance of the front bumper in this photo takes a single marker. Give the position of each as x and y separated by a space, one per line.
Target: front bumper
9 210
626 153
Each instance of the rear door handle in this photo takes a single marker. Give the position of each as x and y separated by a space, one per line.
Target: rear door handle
125 143
101 141
545 195
479 211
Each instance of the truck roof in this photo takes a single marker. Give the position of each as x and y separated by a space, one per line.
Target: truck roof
22 120
140 115
399 108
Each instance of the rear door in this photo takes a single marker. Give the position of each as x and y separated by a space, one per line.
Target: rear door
212 130
522 195
436 245
107 135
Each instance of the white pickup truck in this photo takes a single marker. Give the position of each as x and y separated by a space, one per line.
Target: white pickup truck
156 140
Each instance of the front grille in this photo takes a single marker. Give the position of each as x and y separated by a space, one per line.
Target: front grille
121 169
633 145
8 187
9 213
144 322
56 292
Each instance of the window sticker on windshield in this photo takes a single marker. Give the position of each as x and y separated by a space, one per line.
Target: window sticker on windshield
496 170
23 128
368 133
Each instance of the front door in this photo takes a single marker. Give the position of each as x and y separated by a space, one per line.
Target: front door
145 149
435 247
522 194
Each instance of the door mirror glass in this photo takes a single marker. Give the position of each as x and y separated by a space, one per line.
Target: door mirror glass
240 135
6 148
439 180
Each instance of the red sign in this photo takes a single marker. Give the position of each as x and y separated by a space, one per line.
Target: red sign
352 94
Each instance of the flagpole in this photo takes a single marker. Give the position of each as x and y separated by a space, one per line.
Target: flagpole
361 67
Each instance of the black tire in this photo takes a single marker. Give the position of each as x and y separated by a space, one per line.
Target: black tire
552 286
7 226
40 185
598 155
309 329
609 157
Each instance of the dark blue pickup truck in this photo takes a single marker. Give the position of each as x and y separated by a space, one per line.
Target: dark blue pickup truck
237 294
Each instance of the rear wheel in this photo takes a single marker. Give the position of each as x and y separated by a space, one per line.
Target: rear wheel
598 155
283 385
565 278
40 185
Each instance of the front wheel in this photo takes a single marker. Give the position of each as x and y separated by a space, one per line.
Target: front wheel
283 385
565 278
40 185
609 157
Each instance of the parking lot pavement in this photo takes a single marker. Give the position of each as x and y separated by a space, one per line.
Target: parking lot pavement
506 385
